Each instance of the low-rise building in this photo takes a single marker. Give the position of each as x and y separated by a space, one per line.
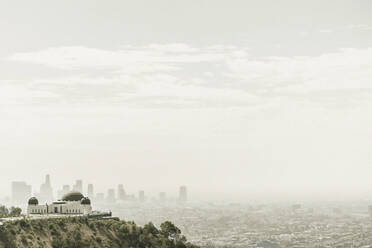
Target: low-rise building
71 203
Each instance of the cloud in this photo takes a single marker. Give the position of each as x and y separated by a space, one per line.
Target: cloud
128 60
346 69
179 75
363 27
175 48
326 31
17 93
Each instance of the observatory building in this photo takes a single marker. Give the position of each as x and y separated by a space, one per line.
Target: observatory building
73 203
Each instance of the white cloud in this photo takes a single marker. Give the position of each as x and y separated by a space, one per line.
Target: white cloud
14 93
346 69
175 47
128 60
359 27
326 31
181 75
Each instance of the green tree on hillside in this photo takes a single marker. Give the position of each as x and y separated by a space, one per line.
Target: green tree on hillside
12 212
15 211
3 211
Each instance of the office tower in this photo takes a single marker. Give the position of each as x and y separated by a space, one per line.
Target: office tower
21 192
162 196
141 196
370 211
100 197
337 211
90 191
183 194
130 197
65 189
121 193
78 186
111 196
296 207
46 190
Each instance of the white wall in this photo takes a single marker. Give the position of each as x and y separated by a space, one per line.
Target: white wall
67 208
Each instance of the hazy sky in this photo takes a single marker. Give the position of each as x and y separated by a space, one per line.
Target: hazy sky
224 96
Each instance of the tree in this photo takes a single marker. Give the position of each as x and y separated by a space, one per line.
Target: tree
150 229
169 230
3 211
15 211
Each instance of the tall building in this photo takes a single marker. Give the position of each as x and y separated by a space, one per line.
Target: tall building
78 186
90 191
296 207
130 197
111 196
65 189
46 190
21 191
370 211
100 197
141 196
122 195
162 196
183 194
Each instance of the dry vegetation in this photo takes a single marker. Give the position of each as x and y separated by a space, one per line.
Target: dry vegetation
81 232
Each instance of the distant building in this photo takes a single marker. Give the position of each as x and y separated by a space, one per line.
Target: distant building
130 197
65 189
121 193
21 191
46 190
162 196
100 197
72 203
296 207
90 191
141 196
111 196
370 210
78 186
183 194
337 211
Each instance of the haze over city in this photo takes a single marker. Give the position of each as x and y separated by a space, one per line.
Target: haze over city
237 99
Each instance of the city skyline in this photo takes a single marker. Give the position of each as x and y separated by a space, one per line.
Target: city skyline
21 191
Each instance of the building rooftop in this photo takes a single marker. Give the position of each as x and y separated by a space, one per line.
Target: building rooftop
73 196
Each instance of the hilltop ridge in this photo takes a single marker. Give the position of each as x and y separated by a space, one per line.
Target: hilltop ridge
82 232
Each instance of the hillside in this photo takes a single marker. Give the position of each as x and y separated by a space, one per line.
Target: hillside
81 232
